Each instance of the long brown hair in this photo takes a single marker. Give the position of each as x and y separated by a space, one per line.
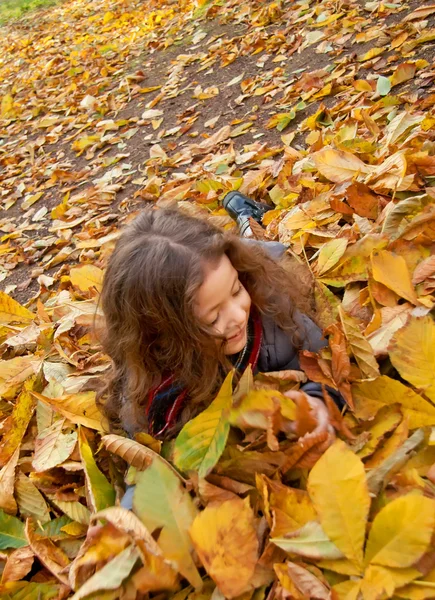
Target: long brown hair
148 302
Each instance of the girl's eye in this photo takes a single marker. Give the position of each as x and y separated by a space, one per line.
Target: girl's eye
239 289
214 322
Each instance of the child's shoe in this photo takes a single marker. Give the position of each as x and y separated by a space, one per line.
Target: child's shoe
241 209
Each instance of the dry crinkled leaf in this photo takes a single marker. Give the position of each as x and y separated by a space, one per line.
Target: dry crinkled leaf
18 564
133 452
225 539
360 347
51 556
336 477
7 479
412 353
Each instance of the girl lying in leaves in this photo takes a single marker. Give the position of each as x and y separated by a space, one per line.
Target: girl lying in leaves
186 302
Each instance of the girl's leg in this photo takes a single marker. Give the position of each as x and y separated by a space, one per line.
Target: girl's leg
241 209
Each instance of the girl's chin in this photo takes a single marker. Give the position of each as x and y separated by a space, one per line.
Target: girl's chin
235 346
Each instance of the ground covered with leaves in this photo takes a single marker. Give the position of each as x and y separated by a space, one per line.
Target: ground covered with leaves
326 111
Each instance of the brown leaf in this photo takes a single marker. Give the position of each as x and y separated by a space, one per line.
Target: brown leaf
50 555
18 564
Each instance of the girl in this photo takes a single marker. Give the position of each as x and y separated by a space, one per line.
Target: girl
184 303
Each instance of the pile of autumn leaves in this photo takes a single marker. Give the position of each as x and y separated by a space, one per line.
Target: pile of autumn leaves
248 502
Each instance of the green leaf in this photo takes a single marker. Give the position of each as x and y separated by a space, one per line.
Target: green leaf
383 85
100 492
11 532
201 442
23 590
161 502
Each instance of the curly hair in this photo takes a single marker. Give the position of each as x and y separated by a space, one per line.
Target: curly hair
148 302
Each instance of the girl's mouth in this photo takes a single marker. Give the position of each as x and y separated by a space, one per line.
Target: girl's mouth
237 337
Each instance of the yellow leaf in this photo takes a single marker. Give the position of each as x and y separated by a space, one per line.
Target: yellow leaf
361 85
7 110
347 590
86 277
339 166
360 347
330 253
292 508
12 312
392 270
372 53
420 589
404 72
78 408
401 532
225 539
31 502
412 353
370 396
335 479
387 419
16 425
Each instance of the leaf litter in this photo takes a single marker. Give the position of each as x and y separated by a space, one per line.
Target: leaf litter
326 111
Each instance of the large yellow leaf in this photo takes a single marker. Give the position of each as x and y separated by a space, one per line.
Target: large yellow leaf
11 311
225 539
162 503
86 277
330 253
392 270
339 166
16 425
335 479
401 532
360 346
412 352
78 408
201 442
370 396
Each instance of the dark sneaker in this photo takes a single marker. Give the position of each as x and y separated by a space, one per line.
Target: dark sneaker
241 209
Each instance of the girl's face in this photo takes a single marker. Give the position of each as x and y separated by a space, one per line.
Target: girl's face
224 304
